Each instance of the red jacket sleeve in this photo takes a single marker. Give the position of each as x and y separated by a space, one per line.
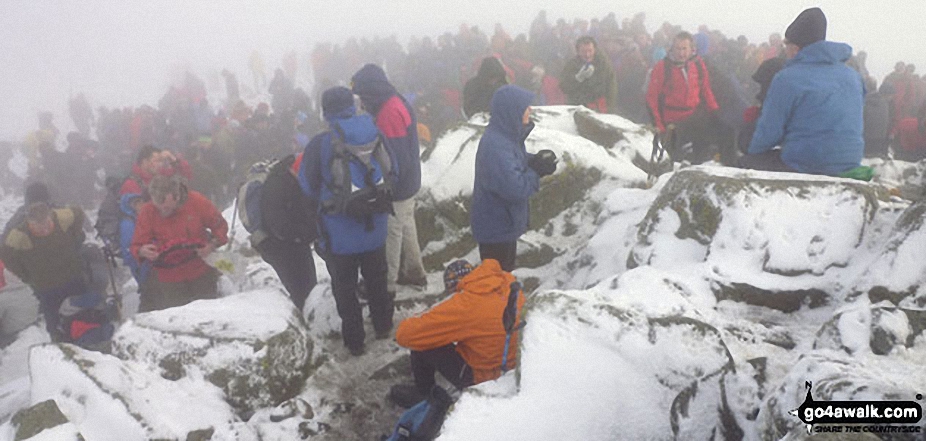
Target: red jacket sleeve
213 220
656 79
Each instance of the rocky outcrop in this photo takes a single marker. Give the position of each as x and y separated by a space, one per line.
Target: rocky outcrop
254 346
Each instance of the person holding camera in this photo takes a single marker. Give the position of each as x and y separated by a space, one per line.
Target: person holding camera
506 177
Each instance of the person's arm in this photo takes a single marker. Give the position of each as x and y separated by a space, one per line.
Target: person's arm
653 89
445 323
776 110
567 80
13 260
144 235
76 231
310 170
508 177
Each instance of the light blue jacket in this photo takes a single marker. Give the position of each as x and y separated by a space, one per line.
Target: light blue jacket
814 110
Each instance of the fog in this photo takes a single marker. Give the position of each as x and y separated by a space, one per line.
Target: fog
126 53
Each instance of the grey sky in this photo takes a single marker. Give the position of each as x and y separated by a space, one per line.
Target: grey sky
126 52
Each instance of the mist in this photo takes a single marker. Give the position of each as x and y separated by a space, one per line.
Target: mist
128 53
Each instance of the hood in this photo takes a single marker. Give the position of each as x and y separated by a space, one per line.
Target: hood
491 70
358 129
372 86
508 105
487 279
823 52
125 203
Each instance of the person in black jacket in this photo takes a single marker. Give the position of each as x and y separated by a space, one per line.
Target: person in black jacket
288 217
477 93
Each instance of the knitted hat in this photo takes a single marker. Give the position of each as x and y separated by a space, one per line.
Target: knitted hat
809 27
455 272
336 101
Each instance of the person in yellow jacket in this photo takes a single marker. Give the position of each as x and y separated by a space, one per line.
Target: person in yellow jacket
462 337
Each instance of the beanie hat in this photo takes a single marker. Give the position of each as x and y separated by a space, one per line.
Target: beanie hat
36 192
809 27
338 102
455 272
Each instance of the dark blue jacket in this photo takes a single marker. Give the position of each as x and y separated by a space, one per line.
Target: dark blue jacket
503 183
814 110
126 231
396 120
340 233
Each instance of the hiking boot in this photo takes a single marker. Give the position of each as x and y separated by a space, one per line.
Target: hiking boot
357 350
406 395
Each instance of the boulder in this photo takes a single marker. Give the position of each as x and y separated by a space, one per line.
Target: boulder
779 240
110 399
876 328
44 421
254 346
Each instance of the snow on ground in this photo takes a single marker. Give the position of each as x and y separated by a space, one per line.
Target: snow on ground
644 324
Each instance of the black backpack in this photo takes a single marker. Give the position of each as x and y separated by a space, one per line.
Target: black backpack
109 214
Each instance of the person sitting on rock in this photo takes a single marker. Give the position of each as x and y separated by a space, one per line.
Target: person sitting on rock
462 337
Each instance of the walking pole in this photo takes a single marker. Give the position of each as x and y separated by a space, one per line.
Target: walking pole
116 296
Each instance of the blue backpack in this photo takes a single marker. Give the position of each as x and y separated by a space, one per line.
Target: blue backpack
422 422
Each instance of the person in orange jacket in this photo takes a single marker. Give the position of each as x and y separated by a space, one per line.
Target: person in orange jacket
462 337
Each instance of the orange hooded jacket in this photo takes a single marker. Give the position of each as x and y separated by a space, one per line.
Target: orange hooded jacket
471 318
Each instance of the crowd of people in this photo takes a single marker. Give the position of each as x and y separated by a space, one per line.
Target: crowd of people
350 168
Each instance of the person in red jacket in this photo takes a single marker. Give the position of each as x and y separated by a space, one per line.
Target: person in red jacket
176 230
462 337
679 94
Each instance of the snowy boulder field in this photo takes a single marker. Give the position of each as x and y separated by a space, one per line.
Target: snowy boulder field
692 309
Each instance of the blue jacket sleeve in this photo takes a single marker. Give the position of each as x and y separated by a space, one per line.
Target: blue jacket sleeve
776 110
510 178
126 231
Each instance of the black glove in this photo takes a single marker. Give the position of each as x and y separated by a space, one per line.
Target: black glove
544 162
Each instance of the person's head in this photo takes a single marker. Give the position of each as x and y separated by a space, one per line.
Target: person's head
492 70
372 86
36 192
338 103
682 47
455 272
510 109
900 66
167 193
148 158
38 219
911 68
586 48
808 28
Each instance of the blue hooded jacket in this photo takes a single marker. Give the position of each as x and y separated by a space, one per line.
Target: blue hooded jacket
340 233
814 111
503 183
126 231
396 120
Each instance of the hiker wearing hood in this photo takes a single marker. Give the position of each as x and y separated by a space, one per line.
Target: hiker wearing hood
462 337
506 176
350 241
396 120
814 106
477 93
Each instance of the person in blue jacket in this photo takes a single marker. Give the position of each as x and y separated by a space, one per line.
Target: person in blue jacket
346 241
506 176
814 106
129 204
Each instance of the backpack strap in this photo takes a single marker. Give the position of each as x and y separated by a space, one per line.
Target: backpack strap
510 320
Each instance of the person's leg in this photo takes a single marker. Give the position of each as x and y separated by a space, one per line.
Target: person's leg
410 263
393 249
504 252
343 270
445 360
50 303
203 287
382 306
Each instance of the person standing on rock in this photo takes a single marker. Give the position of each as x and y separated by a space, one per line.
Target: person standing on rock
506 177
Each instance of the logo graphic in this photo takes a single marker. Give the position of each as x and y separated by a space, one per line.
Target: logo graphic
859 416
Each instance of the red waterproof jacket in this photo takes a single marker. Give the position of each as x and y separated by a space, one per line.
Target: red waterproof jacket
683 91
189 223
471 318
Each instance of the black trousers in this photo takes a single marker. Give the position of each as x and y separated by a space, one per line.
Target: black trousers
343 270
445 360
504 252
699 129
294 264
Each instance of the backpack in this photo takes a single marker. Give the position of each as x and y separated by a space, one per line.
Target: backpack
248 201
360 203
87 320
422 422
109 214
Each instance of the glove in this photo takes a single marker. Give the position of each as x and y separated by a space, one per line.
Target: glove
544 162
585 72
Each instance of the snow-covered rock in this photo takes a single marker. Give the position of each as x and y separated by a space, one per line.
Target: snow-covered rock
860 329
110 399
44 421
254 346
